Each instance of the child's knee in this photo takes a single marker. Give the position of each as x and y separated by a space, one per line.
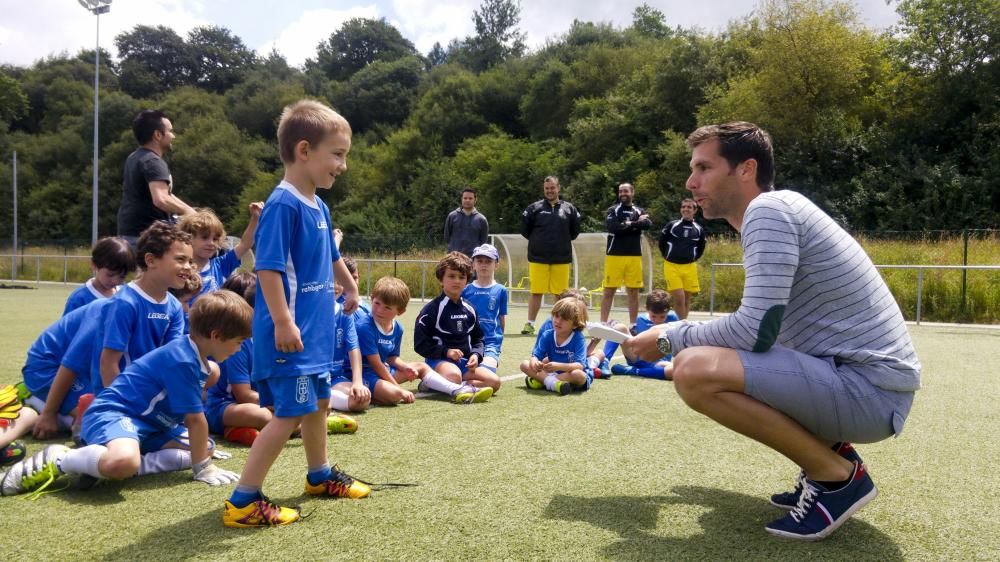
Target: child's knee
120 466
358 404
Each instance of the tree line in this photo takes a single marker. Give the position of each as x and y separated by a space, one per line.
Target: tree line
886 130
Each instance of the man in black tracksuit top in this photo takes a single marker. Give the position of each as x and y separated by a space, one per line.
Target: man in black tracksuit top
623 262
550 225
448 336
682 242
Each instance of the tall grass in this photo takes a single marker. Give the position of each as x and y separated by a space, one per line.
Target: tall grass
941 295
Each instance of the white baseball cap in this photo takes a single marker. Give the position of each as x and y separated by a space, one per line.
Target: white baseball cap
486 250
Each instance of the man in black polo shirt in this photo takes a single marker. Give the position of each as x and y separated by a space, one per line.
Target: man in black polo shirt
147 187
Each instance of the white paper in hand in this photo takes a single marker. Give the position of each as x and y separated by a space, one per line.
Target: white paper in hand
598 330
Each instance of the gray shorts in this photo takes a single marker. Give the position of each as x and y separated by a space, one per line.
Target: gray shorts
834 402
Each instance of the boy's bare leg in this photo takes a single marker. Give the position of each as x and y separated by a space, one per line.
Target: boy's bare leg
246 415
21 425
314 435
711 381
481 377
576 377
266 449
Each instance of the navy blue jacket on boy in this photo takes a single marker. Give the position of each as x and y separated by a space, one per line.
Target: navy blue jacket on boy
443 325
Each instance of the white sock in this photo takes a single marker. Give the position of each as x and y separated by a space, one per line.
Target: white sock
83 460
436 382
531 322
339 401
550 382
167 460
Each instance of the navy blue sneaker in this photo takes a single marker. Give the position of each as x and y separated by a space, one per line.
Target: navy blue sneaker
788 500
820 511
622 369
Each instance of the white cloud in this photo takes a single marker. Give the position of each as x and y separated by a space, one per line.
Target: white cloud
298 41
30 31
426 22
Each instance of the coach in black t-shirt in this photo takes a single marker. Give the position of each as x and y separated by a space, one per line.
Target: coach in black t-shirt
147 187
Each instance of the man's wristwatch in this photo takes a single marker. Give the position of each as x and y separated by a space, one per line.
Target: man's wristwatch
663 344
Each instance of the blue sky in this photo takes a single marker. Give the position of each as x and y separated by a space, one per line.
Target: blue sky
30 30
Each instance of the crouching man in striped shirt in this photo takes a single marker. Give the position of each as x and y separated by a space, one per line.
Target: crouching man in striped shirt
817 356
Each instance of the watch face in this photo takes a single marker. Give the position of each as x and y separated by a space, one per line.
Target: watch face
663 345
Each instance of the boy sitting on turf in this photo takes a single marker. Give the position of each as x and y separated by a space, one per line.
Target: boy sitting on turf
559 360
489 299
657 312
380 337
112 260
349 392
232 406
151 418
297 263
207 235
448 336
143 316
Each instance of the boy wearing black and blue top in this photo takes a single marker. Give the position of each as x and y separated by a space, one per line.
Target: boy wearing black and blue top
143 316
448 336
151 418
297 262
112 260
489 298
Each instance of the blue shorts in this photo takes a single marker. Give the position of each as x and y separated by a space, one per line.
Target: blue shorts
833 402
492 351
214 411
461 364
68 403
586 385
368 379
294 396
102 425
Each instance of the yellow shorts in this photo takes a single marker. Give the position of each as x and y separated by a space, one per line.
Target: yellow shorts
681 276
548 278
623 269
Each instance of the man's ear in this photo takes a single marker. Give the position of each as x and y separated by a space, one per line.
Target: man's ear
750 169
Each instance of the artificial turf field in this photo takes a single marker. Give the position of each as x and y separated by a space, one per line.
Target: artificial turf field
625 471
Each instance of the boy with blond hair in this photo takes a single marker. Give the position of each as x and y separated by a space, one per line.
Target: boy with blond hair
380 337
297 263
207 236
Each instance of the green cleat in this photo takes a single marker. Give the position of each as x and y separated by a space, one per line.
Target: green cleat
564 387
533 384
528 329
469 394
35 473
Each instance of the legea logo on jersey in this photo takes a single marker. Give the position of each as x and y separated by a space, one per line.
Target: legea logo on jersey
302 389
158 316
385 342
321 224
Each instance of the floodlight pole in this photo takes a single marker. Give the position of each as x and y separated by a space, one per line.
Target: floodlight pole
96 7
13 255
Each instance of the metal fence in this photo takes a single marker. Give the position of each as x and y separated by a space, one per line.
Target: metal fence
919 269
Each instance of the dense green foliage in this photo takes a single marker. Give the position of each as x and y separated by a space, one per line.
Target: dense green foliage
894 130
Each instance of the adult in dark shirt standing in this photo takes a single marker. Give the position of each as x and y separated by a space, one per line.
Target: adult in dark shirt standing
682 242
550 225
466 228
147 187
623 260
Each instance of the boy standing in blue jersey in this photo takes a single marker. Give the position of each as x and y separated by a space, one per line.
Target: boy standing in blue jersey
448 336
657 312
297 262
559 360
151 419
207 235
489 299
143 315
112 259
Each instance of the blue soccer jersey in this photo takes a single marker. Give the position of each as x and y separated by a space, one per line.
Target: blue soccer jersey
46 354
573 350
345 341
79 355
135 324
83 295
234 370
490 304
216 271
295 239
642 322
160 388
372 340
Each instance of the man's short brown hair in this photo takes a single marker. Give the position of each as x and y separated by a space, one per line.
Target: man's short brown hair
393 292
221 311
157 239
740 141
310 121
658 301
456 261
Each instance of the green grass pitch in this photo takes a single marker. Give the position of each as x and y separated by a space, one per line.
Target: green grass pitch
624 472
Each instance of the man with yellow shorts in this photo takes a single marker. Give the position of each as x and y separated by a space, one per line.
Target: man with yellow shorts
623 260
550 225
682 243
